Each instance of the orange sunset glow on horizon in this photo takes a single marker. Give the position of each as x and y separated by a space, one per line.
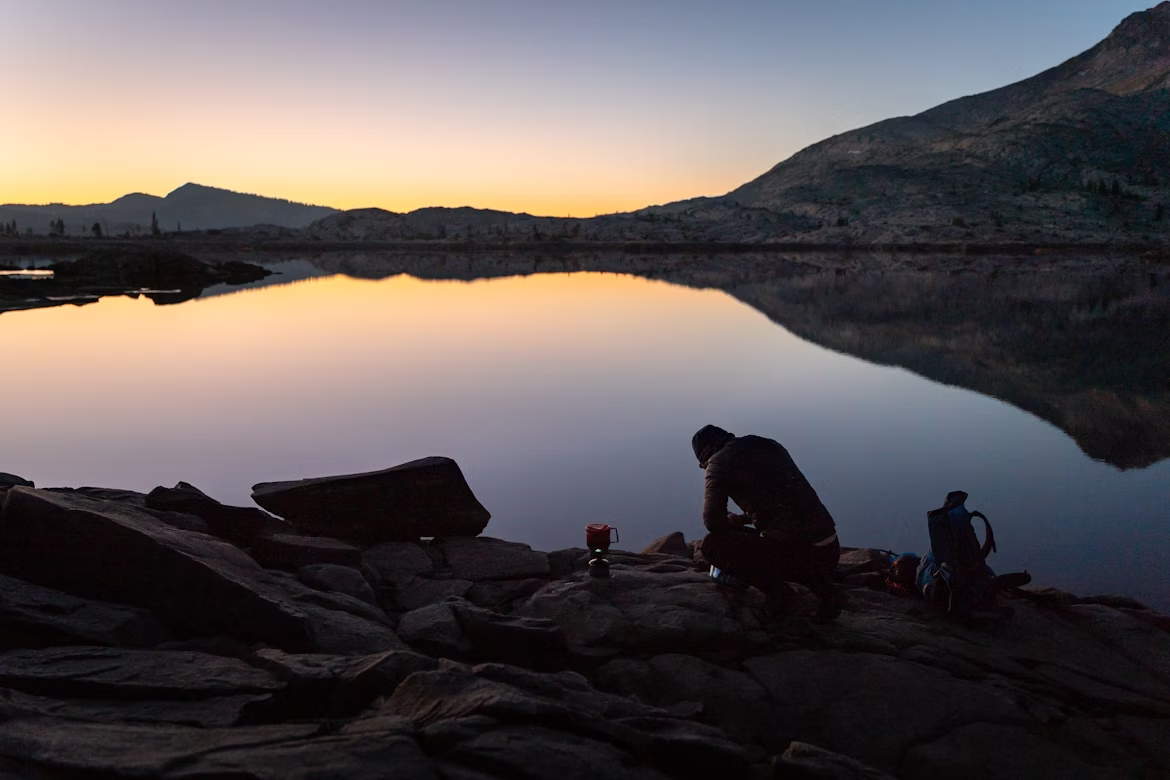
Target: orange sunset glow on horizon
339 161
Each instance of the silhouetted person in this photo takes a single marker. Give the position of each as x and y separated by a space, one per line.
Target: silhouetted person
795 539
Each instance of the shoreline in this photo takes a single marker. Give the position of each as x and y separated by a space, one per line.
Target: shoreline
54 247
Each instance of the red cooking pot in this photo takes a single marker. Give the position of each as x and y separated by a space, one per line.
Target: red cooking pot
597 536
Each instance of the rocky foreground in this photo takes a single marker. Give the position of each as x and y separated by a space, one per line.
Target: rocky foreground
168 635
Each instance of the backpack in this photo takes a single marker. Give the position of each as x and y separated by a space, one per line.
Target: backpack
953 576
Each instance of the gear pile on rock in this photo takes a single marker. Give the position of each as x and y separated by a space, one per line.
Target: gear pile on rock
167 635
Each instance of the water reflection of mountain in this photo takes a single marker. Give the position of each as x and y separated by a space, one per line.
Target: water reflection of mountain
1081 344
1086 353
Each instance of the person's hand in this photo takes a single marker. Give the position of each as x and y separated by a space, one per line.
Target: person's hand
738 520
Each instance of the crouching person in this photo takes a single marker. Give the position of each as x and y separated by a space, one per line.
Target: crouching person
794 540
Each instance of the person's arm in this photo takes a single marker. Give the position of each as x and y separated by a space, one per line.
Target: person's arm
715 505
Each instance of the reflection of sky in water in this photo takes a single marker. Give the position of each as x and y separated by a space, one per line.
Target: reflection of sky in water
566 400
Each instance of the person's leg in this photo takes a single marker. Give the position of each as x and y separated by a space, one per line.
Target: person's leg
770 565
816 572
813 566
831 595
749 557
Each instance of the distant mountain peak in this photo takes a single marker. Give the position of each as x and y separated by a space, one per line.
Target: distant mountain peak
190 188
191 192
1135 56
1144 28
192 206
135 197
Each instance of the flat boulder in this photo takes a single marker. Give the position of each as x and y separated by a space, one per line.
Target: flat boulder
35 617
427 497
491 559
291 552
116 552
198 584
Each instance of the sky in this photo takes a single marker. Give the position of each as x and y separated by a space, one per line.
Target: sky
552 107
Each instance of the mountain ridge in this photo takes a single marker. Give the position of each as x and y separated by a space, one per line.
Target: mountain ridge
1024 153
194 206
1077 155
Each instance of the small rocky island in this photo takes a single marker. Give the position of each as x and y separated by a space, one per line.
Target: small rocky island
369 631
163 275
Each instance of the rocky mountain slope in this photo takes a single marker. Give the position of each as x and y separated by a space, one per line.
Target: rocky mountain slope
226 642
192 206
1077 152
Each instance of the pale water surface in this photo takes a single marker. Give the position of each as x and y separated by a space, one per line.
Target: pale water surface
566 399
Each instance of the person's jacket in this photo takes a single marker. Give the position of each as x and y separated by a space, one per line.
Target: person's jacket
761 477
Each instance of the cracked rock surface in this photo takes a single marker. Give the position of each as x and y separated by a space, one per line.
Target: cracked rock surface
134 647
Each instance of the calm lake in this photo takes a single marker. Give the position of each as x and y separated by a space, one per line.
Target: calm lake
568 394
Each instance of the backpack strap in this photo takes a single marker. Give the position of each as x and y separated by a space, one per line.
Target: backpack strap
989 545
